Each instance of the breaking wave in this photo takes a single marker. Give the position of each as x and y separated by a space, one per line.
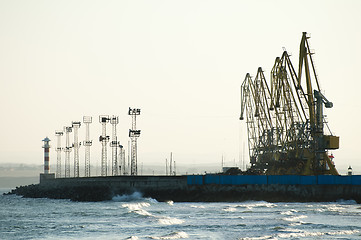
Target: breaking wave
128 198
303 234
229 209
175 235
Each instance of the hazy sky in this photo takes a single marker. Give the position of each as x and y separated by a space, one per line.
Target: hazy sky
181 62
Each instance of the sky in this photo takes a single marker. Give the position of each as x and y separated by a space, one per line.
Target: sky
180 62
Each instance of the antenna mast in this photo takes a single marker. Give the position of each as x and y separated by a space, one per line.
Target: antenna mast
58 149
104 139
134 134
170 165
87 143
114 144
67 151
76 145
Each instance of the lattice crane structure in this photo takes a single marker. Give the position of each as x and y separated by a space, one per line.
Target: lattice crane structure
134 134
121 157
58 150
76 146
67 151
285 120
104 139
87 120
114 144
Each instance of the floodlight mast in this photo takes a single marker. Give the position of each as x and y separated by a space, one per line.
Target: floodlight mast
87 143
76 145
114 120
104 139
121 157
134 134
67 151
58 150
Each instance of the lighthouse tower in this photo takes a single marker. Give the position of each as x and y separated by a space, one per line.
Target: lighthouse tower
46 155
46 175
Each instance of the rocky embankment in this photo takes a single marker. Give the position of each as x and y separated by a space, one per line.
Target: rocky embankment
204 193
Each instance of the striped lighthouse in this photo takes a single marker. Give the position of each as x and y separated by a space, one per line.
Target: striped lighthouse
46 154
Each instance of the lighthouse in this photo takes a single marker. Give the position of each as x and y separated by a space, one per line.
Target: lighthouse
46 175
46 155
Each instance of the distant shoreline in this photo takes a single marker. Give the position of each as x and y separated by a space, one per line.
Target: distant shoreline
12 182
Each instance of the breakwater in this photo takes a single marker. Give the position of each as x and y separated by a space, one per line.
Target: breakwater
201 188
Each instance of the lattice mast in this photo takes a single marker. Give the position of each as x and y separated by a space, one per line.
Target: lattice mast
76 145
87 143
67 150
114 144
104 139
58 150
134 134
121 157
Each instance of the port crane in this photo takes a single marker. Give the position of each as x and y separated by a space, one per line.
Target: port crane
285 120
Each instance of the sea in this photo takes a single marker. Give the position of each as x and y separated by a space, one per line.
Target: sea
134 217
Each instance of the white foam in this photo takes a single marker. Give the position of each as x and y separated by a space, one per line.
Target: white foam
194 206
345 232
315 234
142 212
133 238
170 203
294 219
289 212
299 234
135 206
229 209
334 208
258 204
259 238
319 210
303 234
175 235
127 197
138 208
170 221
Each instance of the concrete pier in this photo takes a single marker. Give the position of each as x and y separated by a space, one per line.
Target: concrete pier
181 189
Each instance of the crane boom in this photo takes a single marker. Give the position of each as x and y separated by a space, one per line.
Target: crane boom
285 122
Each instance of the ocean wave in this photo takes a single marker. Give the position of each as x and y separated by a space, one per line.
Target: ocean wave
335 208
136 196
294 219
138 208
170 202
260 204
128 198
135 206
132 238
259 238
175 235
194 206
229 209
316 234
170 221
289 212
299 234
345 232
